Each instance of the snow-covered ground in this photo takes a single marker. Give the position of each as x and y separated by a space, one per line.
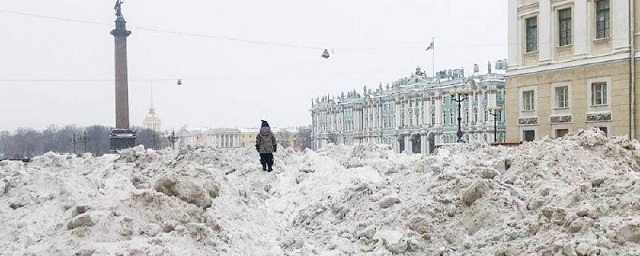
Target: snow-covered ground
579 195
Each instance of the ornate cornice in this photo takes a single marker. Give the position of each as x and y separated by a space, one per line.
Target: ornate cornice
560 119
599 117
528 120
529 8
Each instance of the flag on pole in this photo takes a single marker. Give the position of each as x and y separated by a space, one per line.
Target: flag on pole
430 46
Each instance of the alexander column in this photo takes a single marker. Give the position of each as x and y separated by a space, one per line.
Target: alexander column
121 137
122 80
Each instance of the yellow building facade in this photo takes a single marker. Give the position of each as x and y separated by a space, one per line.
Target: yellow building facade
569 68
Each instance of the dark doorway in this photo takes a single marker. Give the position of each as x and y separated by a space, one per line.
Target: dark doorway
529 135
416 143
432 142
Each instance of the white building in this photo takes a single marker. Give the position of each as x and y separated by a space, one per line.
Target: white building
211 137
414 114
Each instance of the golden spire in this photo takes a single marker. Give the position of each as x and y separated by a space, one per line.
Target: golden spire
151 108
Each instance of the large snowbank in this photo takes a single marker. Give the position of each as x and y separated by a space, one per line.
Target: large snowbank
579 195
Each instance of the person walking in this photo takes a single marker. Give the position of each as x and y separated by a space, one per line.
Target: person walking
266 145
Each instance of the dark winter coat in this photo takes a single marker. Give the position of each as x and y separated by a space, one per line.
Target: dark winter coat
266 141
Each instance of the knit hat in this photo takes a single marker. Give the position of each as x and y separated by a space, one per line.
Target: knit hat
264 124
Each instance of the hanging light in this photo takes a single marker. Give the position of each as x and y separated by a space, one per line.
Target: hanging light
325 54
179 81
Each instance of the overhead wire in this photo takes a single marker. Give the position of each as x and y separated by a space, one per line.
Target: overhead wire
260 42
200 35
237 39
184 79
166 31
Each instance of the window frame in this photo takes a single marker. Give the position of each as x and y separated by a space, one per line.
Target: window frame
445 117
531 34
565 36
558 99
602 92
603 19
531 101
452 119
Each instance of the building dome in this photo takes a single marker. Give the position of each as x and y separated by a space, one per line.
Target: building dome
152 120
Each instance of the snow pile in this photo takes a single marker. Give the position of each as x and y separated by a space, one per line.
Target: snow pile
579 195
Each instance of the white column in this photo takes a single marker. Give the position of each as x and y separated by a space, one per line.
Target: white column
360 120
397 108
364 118
580 29
367 117
370 117
374 120
515 37
620 25
422 112
546 44
481 108
427 114
378 115
396 145
439 111
407 144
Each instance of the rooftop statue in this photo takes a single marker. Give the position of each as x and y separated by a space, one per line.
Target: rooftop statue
118 8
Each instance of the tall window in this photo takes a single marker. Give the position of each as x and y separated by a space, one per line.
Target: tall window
564 16
602 19
532 34
562 97
451 118
433 116
475 115
599 94
527 100
444 117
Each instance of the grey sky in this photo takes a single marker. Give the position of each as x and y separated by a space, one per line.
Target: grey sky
228 83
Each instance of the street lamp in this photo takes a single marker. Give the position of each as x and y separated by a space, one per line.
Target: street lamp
461 95
173 139
74 141
495 111
84 140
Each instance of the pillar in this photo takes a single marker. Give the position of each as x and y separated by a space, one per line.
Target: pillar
120 34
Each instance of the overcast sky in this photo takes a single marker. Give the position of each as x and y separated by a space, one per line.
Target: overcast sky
227 83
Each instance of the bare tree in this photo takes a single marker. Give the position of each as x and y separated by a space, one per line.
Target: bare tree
284 138
27 143
148 138
98 143
304 137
